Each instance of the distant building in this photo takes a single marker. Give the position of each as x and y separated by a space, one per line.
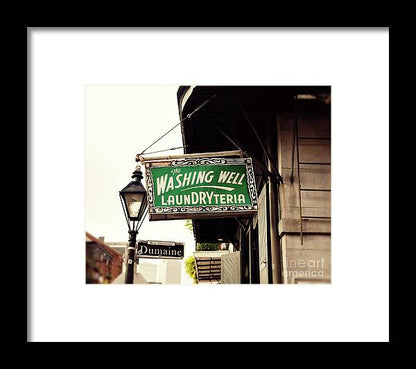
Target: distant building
103 263
161 271
170 271
121 247
137 279
148 271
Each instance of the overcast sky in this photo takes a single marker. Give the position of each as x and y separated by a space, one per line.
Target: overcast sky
121 121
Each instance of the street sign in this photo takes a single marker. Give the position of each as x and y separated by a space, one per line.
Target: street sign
160 250
200 188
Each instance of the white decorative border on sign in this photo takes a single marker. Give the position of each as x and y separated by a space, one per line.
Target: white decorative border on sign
198 161
251 182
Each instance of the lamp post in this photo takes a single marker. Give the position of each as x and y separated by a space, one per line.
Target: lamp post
133 198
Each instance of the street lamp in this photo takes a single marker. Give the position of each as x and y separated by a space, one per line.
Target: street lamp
134 201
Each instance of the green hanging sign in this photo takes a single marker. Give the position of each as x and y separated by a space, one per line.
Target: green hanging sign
200 187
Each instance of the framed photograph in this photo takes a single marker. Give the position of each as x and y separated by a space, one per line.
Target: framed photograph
242 178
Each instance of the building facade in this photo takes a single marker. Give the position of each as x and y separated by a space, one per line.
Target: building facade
103 263
170 271
121 247
161 271
148 271
287 132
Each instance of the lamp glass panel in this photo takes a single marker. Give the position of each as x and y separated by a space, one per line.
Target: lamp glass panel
133 202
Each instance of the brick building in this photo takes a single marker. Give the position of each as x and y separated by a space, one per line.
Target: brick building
103 263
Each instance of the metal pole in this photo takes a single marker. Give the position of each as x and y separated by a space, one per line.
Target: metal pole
131 251
257 162
195 155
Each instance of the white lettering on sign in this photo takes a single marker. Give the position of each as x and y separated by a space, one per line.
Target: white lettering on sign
203 198
164 243
161 184
186 179
170 184
167 183
226 177
159 251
